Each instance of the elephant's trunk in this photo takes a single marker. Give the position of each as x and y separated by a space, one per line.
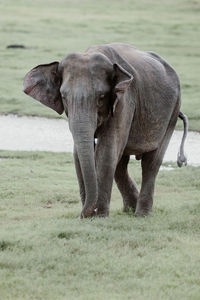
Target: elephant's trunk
83 135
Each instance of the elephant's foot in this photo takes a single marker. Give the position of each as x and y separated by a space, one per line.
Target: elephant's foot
144 207
102 210
88 212
143 210
102 214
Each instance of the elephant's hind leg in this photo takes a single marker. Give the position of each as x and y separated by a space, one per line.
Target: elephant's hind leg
126 185
150 166
151 162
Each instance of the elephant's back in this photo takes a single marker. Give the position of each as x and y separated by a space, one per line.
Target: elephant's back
149 66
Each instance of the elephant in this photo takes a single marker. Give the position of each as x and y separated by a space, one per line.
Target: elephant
120 101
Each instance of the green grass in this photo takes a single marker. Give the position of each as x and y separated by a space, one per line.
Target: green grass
47 252
51 29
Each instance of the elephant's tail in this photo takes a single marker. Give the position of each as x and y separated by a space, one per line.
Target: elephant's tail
181 158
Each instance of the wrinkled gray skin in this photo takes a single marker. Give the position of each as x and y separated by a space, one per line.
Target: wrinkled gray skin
126 98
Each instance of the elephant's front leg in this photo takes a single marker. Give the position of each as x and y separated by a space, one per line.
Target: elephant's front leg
108 152
106 162
126 185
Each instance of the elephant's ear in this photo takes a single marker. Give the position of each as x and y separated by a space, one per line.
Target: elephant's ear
122 80
43 84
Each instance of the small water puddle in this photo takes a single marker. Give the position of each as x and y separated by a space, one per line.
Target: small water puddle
41 134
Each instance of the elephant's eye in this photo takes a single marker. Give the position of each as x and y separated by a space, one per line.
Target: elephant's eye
101 100
100 103
63 96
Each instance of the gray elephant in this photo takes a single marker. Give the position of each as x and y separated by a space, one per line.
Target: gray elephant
126 99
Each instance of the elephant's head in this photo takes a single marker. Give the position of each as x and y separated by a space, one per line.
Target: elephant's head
87 87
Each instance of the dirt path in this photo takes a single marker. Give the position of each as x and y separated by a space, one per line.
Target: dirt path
40 134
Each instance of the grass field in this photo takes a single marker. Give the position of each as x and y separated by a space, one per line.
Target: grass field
51 29
47 252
